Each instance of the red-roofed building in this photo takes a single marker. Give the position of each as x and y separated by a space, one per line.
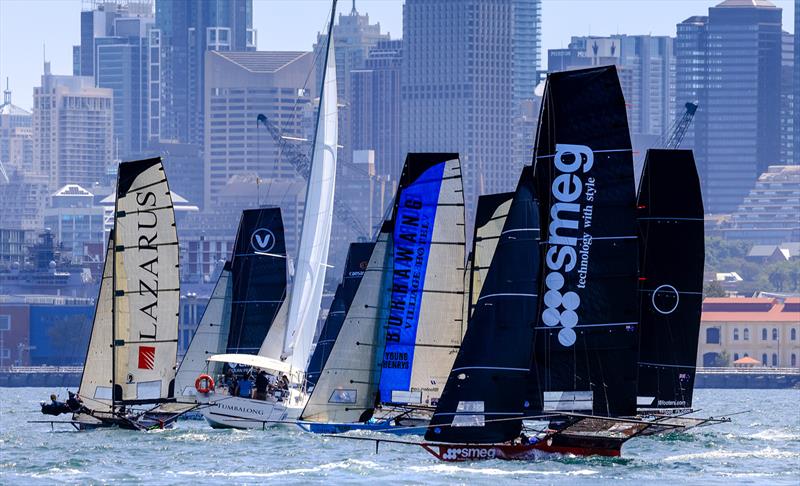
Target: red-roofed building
765 329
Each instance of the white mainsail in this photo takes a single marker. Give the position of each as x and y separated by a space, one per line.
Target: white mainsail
309 278
209 338
347 385
95 384
146 284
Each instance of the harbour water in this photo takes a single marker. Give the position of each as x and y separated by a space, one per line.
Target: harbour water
761 446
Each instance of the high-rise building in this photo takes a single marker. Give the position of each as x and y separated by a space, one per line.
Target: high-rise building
526 44
185 31
730 62
239 87
121 64
375 107
73 130
796 137
788 101
16 142
457 78
353 38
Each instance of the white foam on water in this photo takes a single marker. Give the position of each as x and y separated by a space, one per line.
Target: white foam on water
452 468
775 434
766 453
282 472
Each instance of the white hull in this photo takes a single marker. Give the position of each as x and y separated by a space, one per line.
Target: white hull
223 411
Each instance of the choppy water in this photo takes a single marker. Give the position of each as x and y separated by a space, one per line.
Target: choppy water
759 447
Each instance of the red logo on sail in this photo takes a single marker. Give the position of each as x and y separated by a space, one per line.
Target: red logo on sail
147 357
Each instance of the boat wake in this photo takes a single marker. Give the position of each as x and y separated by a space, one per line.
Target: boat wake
766 453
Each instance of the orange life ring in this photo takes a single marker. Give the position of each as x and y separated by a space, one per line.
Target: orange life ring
204 383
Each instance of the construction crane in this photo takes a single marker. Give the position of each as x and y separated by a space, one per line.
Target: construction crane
673 138
302 165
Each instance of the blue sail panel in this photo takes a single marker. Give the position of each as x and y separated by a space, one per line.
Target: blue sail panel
415 213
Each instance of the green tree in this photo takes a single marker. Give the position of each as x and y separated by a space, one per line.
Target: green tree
722 360
713 289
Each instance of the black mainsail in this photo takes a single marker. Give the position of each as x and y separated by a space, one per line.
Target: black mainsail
358 256
484 400
586 340
672 250
258 270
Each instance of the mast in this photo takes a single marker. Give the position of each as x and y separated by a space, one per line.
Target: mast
114 299
313 249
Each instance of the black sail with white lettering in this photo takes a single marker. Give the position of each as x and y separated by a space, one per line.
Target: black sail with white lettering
586 336
258 274
357 260
484 400
146 285
671 245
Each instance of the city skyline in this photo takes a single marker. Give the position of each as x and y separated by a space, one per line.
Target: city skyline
282 26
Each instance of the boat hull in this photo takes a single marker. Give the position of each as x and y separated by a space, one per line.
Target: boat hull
226 412
516 452
341 427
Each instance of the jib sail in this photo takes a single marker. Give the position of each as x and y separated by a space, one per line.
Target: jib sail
357 260
146 284
586 341
345 389
672 250
424 327
490 217
484 399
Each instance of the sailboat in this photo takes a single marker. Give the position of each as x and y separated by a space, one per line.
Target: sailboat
287 348
401 357
243 305
553 336
129 374
672 251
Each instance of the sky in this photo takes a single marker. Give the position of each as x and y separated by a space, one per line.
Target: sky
33 29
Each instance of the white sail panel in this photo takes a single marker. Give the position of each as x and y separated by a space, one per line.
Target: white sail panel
209 338
440 330
96 378
347 385
486 238
146 276
309 278
272 347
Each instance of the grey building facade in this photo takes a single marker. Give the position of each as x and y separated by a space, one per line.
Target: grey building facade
730 61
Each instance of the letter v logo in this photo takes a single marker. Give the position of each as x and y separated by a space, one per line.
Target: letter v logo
262 239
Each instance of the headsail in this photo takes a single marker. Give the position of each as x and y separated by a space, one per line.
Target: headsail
310 266
424 327
258 271
357 260
346 388
146 285
671 248
586 342
490 217
210 338
485 390
96 378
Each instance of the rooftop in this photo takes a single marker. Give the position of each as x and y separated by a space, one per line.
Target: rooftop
262 61
747 3
751 309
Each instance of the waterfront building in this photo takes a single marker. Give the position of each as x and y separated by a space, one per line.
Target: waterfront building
730 62
22 199
796 90
16 140
457 74
12 247
73 129
76 223
765 329
239 87
375 107
769 212
185 31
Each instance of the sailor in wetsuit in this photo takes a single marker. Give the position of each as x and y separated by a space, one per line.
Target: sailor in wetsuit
55 407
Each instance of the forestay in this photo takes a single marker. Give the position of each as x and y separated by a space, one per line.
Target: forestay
146 284
347 386
424 327
586 342
309 278
484 399
672 249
